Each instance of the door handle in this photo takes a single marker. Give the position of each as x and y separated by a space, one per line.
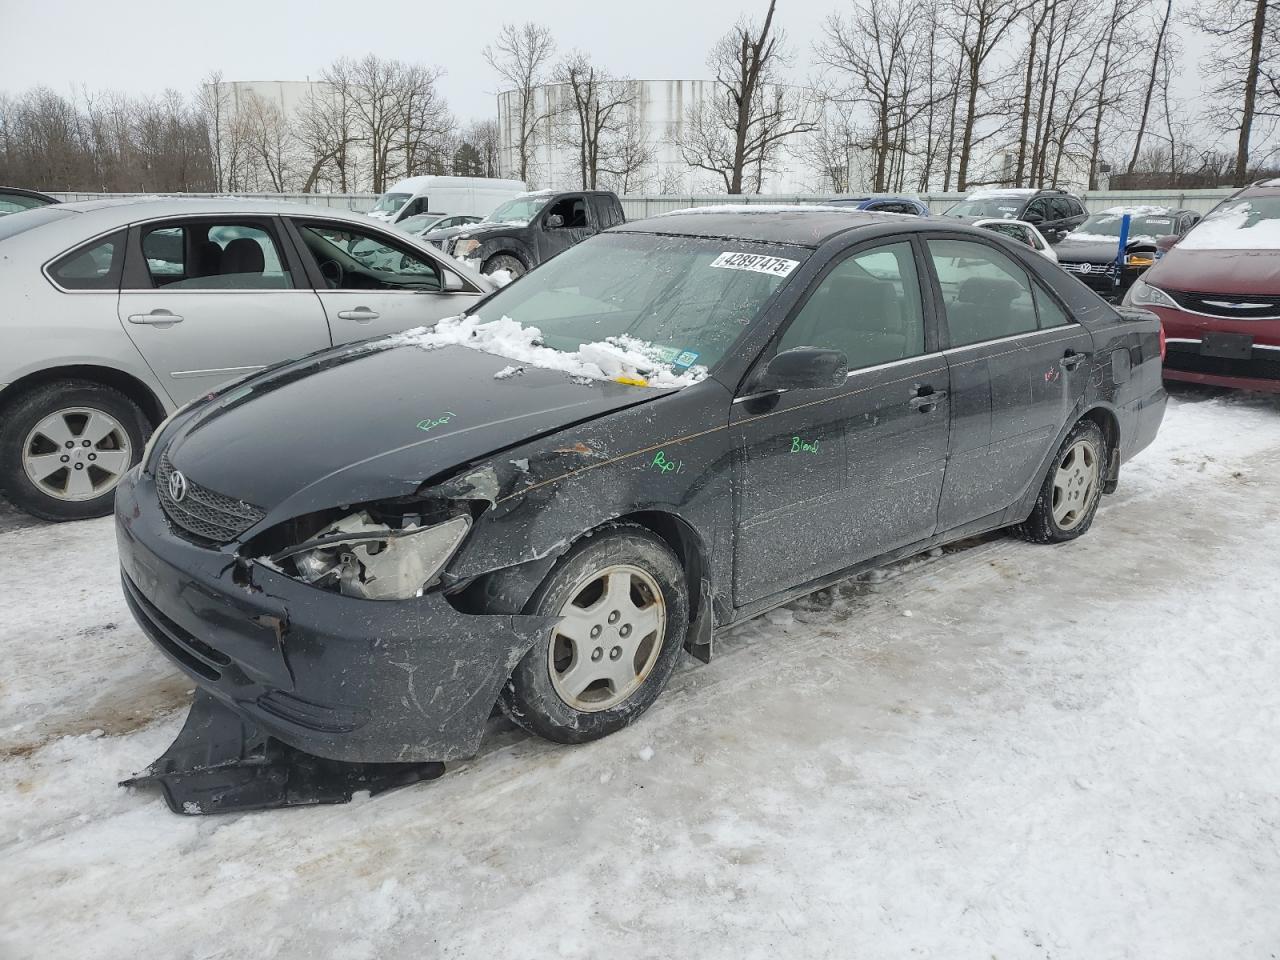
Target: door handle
926 399
359 315
1072 359
156 318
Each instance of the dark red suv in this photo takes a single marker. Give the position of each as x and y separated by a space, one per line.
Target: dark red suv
1217 292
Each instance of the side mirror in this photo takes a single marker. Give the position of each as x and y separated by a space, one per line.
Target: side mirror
805 368
452 283
1166 243
554 221
1035 219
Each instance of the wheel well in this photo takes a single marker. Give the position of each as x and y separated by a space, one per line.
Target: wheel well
130 386
686 543
1107 422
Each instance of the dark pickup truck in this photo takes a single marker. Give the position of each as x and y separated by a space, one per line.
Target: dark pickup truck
530 229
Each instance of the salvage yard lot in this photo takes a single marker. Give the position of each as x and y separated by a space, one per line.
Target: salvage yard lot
1003 750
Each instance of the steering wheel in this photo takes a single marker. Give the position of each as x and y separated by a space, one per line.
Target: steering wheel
333 273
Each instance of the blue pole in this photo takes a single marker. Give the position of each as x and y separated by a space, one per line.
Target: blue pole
1124 241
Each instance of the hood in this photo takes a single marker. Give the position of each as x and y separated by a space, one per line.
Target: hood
1086 251
485 228
374 421
446 232
1218 271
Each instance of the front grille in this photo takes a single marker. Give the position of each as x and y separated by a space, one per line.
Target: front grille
210 517
1261 365
1090 270
1246 305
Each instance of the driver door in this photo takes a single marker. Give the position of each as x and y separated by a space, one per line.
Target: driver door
577 222
372 284
830 477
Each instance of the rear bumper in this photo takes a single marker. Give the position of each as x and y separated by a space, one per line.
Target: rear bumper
337 677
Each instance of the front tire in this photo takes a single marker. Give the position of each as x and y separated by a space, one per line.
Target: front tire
625 607
64 447
504 261
1069 497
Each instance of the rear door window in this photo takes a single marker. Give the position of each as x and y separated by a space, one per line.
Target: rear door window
92 266
214 255
987 295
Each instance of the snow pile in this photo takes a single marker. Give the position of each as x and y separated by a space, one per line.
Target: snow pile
610 359
1236 226
501 277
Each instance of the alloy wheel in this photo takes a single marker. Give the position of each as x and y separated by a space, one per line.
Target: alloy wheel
1074 483
608 639
77 454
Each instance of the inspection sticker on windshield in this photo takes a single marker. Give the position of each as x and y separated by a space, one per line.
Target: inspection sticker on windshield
778 266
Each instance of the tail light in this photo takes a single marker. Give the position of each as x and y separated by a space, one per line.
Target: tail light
1164 344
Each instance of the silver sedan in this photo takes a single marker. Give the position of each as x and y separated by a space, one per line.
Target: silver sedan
116 312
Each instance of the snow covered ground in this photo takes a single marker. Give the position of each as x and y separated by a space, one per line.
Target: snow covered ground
1003 751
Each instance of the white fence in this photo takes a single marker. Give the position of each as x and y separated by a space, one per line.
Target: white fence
639 207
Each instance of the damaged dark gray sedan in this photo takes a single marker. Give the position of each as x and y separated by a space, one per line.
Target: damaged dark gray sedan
670 428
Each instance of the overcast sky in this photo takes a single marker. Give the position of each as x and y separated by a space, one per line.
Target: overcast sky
142 47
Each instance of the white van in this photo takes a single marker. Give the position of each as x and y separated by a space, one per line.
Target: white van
459 195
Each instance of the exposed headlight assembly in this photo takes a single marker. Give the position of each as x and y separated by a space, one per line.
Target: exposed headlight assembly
374 561
1143 294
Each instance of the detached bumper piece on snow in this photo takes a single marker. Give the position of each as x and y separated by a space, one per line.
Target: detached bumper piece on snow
221 763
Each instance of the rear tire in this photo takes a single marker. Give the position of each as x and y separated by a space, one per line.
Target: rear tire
625 604
64 447
1072 489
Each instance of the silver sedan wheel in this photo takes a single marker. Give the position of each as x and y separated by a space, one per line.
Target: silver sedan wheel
1074 483
77 454
609 638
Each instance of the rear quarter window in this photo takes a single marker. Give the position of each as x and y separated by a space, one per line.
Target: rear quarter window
91 266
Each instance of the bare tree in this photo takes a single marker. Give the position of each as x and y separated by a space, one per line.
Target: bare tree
326 130
520 56
736 131
270 139
1161 34
483 135
1239 58
593 114
879 51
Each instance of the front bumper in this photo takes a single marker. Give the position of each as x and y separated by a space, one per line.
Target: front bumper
1189 360
338 677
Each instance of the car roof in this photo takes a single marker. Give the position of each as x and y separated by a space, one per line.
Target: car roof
1262 188
806 225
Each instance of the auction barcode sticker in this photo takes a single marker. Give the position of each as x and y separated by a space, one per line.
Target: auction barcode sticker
778 266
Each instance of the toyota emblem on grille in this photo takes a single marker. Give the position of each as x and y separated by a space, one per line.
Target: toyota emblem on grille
177 486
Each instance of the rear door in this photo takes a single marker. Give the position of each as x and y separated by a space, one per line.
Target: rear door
1018 367
371 282
829 477
210 299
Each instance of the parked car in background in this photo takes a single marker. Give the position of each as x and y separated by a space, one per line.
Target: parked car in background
423 223
721 410
533 228
16 199
116 312
1055 213
1089 252
1021 232
908 205
471 195
1217 292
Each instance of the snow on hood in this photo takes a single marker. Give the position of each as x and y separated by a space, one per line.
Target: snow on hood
615 358
1111 238
1229 228
1001 192
1137 211
766 208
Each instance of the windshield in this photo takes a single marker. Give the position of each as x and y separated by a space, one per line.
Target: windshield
1107 226
1004 208
1250 223
683 301
391 202
520 210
